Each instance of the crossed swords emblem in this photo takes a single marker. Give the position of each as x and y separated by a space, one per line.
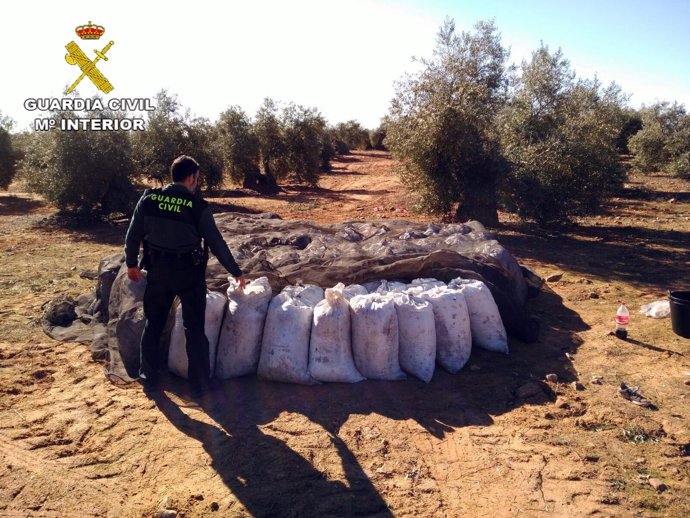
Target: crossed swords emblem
88 67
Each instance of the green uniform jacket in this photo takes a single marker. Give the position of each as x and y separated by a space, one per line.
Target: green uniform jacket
175 220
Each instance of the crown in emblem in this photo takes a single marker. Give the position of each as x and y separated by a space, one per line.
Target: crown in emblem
90 31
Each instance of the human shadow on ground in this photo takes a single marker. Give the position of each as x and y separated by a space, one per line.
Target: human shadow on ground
267 476
271 479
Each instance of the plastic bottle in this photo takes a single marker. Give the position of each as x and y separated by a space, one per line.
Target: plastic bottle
622 317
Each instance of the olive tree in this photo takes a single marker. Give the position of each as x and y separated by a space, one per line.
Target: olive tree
163 139
8 152
663 143
304 130
352 135
328 151
560 135
377 136
239 147
441 123
270 134
201 141
171 131
85 171
632 123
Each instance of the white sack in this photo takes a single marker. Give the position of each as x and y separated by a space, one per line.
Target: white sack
353 290
397 287
391 286
487 327
239 344
428 283
414 290
178 362
285 343
309 293
375 337
371 286
417 335
453 335
330 347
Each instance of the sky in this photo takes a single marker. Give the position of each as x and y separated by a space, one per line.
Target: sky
341 57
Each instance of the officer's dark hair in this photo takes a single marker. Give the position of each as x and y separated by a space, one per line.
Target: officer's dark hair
182 167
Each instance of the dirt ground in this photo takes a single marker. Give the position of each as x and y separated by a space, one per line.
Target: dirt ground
494 440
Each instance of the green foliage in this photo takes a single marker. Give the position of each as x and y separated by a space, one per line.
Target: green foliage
663 143
632 123
352 135
80 170
647 147
238 144
7 159
20 143
271 137
6 122
171 132
340 147
202 142
680 166
377 136
547 143
559 135
304 130
8 154
294 142
163 139
442 123
328 151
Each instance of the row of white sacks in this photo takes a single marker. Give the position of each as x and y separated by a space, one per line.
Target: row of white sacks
345 334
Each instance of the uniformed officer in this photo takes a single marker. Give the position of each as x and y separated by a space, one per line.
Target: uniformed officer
171 222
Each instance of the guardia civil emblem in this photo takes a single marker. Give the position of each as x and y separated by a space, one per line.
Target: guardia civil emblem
88 68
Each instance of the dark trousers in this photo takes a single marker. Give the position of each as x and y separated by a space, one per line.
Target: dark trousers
167 278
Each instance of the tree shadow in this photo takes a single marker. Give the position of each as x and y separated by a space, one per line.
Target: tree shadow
220 206
230 193
271 479
113 230
91 231
305 194
342 171
12 205
346 159
638 255
634 193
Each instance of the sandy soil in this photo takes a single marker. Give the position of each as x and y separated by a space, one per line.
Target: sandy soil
493 440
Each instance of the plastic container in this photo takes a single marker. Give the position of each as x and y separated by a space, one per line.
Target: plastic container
680 312
622 318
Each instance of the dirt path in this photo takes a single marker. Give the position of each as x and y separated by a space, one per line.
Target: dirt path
360 186
472 444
